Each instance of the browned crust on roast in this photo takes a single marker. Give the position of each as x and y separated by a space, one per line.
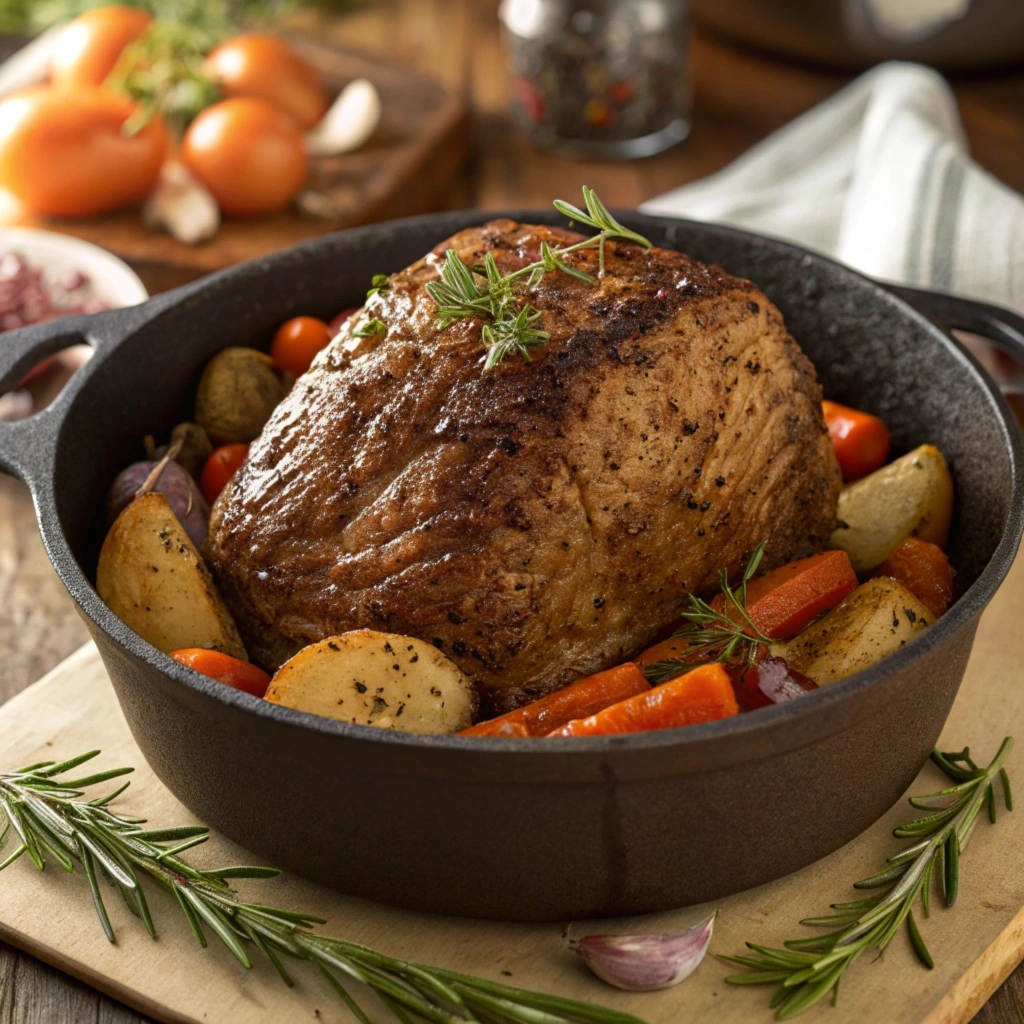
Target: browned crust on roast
546 519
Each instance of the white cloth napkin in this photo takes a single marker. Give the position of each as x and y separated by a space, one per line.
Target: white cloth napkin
879 177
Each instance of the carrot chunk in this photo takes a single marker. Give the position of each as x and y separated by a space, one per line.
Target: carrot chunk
924 569
703 695
231 671
586 697
860 440
786 600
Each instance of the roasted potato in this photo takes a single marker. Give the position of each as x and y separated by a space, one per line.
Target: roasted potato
911 497
878 618
238 391
381 679
153 578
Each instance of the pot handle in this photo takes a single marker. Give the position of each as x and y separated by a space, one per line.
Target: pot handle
1002 327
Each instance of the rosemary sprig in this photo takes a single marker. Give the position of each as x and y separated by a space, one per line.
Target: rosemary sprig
483 292
48 818
714 635
807 970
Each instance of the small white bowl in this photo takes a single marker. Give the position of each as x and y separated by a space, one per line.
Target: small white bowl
111 280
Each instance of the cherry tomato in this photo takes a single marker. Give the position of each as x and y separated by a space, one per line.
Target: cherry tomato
341 319
268 68
219 468
297 342
231 671
860 440
86 50
248 153
63 154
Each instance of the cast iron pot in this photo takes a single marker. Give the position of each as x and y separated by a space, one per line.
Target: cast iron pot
505 828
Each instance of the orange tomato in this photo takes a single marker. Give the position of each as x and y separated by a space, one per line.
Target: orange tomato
219 468
63 154
86 51
248 153
268 68
297 342
222 667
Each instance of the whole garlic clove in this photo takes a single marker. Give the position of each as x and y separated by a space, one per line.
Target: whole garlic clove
182 205
31 64
646 963
349 123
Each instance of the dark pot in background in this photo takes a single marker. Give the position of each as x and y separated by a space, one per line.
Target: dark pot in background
504 828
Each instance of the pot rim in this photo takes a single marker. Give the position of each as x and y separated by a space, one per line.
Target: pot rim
823 702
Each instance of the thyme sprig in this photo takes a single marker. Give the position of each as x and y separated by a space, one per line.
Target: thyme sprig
48 818
807 970
714 635
482 291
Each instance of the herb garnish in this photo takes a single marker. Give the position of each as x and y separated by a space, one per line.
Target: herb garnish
483 292
370 328
806 970
713 635
49 820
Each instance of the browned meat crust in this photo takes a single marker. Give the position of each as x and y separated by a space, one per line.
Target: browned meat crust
546 519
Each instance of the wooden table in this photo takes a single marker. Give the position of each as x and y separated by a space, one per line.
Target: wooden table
739 100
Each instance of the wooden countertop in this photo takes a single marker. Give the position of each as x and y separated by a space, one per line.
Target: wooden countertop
739 99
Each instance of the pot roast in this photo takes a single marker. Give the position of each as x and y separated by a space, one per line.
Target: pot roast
544 519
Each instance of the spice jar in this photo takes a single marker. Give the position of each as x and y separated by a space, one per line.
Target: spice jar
599 78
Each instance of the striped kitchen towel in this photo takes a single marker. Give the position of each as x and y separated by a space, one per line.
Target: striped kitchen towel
879 177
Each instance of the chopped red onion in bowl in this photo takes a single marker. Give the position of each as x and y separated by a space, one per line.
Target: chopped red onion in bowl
30 294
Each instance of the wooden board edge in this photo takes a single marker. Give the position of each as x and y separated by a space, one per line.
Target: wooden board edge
94 979
979 982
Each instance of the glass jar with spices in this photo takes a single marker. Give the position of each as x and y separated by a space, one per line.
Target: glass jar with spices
599 78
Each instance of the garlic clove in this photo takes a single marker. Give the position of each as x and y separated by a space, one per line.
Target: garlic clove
646 963
182 205
349 123
31 64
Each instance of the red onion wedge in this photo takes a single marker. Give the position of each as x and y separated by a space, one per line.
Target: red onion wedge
779 683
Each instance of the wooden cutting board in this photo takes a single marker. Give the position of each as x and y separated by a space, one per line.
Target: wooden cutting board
421 141
975 945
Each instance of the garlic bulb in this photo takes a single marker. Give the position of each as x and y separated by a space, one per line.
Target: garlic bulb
645 963
31 64
349 123
182 205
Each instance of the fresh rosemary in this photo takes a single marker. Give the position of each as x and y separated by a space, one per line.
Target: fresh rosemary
713 635
482 291
49 819
807 970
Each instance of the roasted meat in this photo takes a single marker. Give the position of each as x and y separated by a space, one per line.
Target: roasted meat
544 519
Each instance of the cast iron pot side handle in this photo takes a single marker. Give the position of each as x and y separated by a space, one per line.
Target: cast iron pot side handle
27 446
1002 327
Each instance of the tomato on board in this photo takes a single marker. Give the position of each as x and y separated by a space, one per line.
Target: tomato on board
248 153
297 342
242 675
87 49
268 68
63 153
219 468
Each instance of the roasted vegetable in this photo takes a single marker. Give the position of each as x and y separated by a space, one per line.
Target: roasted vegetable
220 467
911 497
382 679
152 577
860 440
924 570
194 448
297 343
579 700
702 695
242 675
877 619
237 393
174 483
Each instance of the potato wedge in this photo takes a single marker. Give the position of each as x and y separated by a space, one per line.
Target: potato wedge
877 619
381 679
152 577
912 496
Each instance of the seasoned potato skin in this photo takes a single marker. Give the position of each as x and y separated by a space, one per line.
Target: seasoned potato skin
877 619
911 497
238 391
152 577
370 678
